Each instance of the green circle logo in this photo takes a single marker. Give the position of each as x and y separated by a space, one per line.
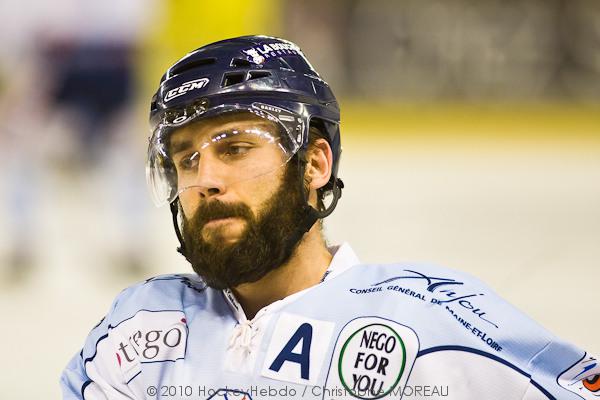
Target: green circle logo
372 361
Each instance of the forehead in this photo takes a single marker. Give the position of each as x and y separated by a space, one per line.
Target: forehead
207 129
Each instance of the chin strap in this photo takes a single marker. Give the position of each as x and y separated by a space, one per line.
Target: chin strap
312 215
175 214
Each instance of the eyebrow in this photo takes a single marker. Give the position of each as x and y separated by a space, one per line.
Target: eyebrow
185 144
180 146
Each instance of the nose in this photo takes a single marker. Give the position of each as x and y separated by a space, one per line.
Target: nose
210 177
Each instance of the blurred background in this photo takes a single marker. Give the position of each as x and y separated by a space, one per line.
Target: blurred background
471 136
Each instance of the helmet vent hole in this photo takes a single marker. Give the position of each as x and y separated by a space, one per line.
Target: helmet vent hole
179 69
258 74
240 62
233 78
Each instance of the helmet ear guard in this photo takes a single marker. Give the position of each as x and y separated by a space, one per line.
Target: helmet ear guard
336 190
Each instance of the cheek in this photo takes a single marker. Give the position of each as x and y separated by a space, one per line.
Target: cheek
189 203
254 194
257 192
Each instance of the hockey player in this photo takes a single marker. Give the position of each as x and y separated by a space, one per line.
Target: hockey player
245 150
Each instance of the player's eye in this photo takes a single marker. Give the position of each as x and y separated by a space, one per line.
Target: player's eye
188 162
234 150
238 149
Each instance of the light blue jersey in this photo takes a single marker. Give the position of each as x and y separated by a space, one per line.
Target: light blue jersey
396 331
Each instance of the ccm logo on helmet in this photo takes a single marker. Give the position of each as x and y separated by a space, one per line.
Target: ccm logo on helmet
186 87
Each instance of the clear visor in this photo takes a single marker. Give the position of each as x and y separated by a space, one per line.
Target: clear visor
198 148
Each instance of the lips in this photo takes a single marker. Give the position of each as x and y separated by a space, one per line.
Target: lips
220 221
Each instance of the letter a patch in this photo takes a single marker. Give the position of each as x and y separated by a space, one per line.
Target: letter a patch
297 349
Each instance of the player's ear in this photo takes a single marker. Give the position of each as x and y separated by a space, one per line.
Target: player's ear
319 162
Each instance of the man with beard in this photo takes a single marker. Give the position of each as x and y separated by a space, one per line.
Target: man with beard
245 150
242 235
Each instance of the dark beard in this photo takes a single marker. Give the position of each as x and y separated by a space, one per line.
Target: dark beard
264 246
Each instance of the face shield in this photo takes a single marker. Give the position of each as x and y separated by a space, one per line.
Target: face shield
192 146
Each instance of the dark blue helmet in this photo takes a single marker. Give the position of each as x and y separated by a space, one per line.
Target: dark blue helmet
251 69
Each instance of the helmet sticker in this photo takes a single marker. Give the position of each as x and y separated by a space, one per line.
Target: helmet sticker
186 87
259 54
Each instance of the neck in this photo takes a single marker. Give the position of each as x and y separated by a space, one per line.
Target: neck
304 269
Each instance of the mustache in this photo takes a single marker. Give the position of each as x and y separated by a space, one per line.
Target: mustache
217 209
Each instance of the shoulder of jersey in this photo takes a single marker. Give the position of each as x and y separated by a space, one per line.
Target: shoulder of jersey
420 276
160 293
414 272
459 290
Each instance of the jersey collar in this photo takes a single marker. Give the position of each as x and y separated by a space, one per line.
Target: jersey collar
343 258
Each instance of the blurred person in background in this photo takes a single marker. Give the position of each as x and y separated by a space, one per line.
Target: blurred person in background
22 106
245 150
68 88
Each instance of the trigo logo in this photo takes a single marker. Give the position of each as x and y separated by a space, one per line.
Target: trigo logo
148 337
186 87
374 357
